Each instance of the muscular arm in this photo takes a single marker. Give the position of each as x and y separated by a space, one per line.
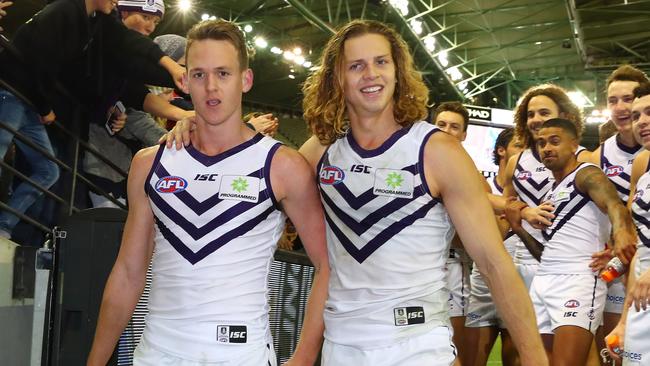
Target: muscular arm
294 182
446 164
595 183
127 279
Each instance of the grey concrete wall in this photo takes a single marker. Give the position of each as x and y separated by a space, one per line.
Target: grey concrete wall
16 334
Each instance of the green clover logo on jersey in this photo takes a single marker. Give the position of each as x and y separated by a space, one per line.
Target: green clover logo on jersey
239 184
394 180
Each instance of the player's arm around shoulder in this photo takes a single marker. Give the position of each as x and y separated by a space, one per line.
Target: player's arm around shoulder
593 182
313 151
451 175
295 188
128 276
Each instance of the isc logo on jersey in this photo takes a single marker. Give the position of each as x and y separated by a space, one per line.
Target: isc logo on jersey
614 170
524 175
171 184
331 175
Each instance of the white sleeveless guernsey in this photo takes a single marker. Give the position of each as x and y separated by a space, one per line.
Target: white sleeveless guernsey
616 161
510 240
578 230
641 214
388 240
531 181
217 225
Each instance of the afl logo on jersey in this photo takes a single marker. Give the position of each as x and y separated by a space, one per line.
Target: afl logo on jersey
572 304
171 184
614 170
524 175
638 195
331 175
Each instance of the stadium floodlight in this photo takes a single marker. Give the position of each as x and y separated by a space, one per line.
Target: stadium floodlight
416 25
248 28
184 5
443 58
261 42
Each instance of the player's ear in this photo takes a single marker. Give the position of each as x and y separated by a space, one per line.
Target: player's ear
247 80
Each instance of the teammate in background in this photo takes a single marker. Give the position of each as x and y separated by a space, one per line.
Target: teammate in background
605 131
484 323
615 156
453 118
634 324
384 175
568 298
526 177
208 306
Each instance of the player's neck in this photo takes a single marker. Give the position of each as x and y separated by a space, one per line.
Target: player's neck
566 170
212 139
370 132
501 173
626 138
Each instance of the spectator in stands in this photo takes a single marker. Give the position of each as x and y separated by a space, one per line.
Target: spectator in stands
72 43
141 130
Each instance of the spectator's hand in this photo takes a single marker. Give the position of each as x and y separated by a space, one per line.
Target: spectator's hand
49 118
118 122
600 259
619 331
539 217
513 213
175 70
265 124
625 245
640 292
3 12
180 134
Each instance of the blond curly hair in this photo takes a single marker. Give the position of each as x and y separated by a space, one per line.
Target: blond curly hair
560 97
324 103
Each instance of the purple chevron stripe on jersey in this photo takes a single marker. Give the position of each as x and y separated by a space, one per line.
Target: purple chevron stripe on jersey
384 211
207 160
548 233
523 190
381 149
192 203
360 255
641 219
212 246
645 206
644 239
538 186
156 162
621 189
420 164
356 202
196 232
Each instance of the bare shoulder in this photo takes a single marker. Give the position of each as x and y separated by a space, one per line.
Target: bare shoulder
641 161
289 171
445 160
143 160
313 150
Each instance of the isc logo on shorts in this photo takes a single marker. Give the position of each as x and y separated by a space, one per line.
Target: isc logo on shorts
409 315
231 333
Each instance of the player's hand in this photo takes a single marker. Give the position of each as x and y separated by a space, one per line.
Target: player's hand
625 245
265 124
513 212
3 12
640 292
618 331
600 259
180 134
539 217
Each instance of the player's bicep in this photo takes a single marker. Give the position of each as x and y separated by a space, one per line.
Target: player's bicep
593 182
300 200
137 240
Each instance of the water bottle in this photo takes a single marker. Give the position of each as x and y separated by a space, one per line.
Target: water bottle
613 270
614 343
